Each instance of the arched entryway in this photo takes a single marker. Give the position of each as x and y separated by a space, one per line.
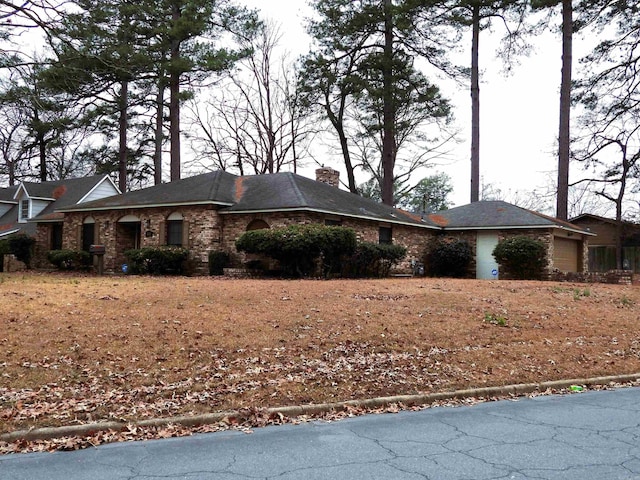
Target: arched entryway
128 236
88 233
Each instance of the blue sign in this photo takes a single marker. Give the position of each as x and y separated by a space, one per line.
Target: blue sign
494 272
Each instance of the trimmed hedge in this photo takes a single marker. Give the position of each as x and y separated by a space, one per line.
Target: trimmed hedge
373 260
299 248
449 259
523 258
4 250
22 247
217 261
157 260
69 259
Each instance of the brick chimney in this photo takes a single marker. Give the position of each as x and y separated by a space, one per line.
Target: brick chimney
329 176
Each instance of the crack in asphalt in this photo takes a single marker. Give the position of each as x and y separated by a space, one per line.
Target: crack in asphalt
544 439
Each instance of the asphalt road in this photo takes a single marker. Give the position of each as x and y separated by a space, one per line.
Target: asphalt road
588 435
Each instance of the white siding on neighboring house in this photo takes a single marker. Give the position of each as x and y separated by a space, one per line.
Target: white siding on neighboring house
102 190
37 206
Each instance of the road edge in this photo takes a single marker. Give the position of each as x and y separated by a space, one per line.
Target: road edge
48 433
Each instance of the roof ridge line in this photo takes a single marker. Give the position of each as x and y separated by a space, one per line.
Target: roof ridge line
293 180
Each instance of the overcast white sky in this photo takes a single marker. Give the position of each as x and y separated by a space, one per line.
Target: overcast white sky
519 113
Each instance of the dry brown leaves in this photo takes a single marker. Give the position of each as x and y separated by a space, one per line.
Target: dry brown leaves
75 350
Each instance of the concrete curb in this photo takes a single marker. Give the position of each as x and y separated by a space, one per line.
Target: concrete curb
314 409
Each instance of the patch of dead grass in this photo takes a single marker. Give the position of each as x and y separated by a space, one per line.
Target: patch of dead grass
76 349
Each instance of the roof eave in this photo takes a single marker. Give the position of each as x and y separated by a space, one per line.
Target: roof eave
331 212
521 227
80 208
9 232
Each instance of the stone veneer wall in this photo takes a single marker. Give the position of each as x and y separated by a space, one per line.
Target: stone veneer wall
412 238
42 246
202 222
618 277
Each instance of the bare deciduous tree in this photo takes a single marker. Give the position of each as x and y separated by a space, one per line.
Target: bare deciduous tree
254 122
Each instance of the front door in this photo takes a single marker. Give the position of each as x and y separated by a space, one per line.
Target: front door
486 265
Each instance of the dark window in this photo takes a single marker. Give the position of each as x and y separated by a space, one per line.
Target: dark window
56 236
88 235
602 259
174 232
332 223
384 235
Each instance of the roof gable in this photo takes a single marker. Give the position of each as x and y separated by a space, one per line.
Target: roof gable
496 214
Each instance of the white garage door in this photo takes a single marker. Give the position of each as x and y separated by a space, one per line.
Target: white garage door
486 265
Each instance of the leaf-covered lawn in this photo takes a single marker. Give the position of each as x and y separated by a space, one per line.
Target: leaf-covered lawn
78 349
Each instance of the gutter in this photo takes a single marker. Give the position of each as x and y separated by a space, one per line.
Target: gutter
131 207
330 212
521 227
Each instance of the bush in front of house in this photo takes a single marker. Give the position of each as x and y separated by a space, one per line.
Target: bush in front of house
22 247
218 260
373 260
4 250
69 259
522 257
157 260
299 248
449 259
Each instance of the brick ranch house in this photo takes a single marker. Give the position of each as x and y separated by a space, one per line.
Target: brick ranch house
210 211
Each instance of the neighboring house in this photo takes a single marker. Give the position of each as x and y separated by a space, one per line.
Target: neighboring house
483 224
8 212
32 208
602 250
210 211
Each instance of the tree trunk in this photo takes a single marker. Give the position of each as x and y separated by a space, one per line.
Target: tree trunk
157 154
11 171
122 129
623 186
174 103
475 106
338 124
42 147
388 135
564 138
351 178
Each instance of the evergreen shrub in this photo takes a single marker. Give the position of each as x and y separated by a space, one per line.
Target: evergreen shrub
449 259
157 260
300 249
69 259
522 257
218 260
